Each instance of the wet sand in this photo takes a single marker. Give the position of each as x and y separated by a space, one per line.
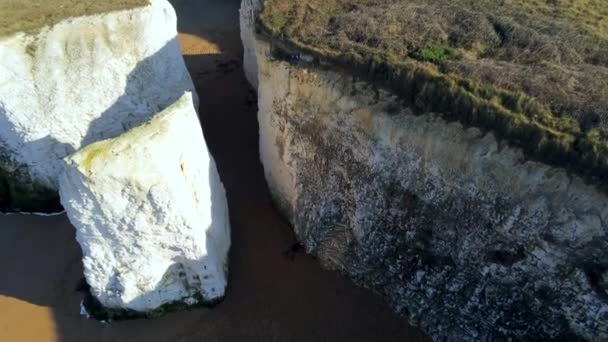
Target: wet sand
270 297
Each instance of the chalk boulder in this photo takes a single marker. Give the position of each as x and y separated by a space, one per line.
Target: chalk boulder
150 214
77 80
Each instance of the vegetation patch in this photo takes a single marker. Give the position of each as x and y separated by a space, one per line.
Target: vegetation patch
31 15
533 72
434 53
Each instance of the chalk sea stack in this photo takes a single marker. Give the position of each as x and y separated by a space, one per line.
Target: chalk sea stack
151 215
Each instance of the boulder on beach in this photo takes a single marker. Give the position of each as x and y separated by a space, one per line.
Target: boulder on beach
72 74
150 214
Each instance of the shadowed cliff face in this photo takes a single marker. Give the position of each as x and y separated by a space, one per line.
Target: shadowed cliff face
270 297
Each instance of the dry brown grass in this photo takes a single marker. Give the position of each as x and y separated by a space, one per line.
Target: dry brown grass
533 71
554 50
30 15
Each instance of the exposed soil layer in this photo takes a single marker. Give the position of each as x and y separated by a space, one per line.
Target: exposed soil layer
30 15
275 291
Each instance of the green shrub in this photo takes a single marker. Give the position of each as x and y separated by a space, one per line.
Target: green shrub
434 53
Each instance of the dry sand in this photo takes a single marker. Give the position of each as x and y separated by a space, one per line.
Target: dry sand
269 298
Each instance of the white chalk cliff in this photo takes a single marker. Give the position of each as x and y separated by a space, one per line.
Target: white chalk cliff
150 214
458 231
77 82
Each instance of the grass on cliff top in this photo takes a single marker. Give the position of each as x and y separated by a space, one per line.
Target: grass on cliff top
30 15
535 72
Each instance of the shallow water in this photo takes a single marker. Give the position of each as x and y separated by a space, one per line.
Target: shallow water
270 296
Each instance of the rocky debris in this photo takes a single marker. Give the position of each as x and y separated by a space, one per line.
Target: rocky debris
151 215
81 80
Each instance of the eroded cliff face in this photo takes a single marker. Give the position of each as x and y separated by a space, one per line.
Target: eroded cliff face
457 231
81 80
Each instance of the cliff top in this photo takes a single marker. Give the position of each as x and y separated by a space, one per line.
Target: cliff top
533 72
29 15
